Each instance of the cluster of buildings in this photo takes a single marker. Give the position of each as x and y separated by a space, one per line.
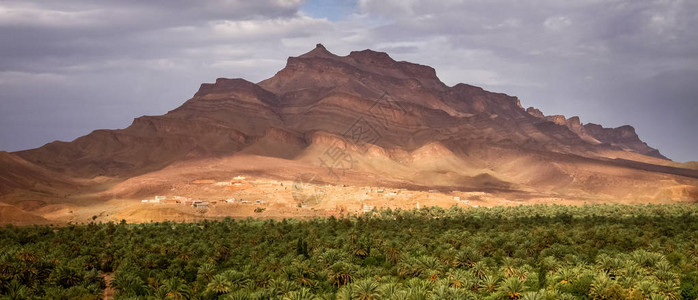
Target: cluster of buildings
168 200
195 203
271 189
175 200
236 181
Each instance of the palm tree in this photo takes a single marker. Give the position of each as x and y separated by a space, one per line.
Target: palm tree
670 288
280 287
489 283
461 279
302 294
16 290
389 290
603 287
512 287
392 254
647 287
176 288
664 271
658 297
127 284
584 252
345 292
360 252
219 285
417 293
442 291
206 271
607 263
331 256
564 275
67 276
239 295
365 289
509 267
237 279
160 293
342 273
632 272
538 295
480 269
467 257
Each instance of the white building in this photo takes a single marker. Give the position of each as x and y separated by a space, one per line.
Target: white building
200 204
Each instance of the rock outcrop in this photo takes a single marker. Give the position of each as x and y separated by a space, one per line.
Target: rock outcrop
623 137
397 119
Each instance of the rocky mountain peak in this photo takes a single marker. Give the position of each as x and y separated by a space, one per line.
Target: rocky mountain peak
369 56
623 137
398 123
319 51
404 104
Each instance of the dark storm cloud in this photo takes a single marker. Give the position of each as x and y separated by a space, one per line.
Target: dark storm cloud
70 32
612 62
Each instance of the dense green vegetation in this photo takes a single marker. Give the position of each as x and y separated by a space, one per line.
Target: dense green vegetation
527 252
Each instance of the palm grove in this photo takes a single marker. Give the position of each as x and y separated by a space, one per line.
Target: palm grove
526 252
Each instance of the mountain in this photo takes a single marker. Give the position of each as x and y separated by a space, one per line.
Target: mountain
623 137
364 120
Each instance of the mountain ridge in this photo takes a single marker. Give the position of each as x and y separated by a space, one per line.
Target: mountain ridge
394 120
272 103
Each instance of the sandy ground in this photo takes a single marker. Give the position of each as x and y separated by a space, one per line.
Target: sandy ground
263 198
266 187
108 291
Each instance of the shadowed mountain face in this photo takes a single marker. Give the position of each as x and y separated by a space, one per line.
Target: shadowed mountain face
394 119
623 138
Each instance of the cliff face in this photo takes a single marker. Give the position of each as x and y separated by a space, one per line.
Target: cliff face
366 98
623 137
361 120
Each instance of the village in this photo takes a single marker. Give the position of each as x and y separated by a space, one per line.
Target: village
245 193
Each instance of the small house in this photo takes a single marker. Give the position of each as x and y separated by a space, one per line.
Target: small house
200 204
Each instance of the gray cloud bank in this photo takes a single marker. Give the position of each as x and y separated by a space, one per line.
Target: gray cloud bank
67 67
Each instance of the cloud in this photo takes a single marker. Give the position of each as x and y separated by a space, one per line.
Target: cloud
557 23
286 28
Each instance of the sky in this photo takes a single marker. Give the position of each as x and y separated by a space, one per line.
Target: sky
72 66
